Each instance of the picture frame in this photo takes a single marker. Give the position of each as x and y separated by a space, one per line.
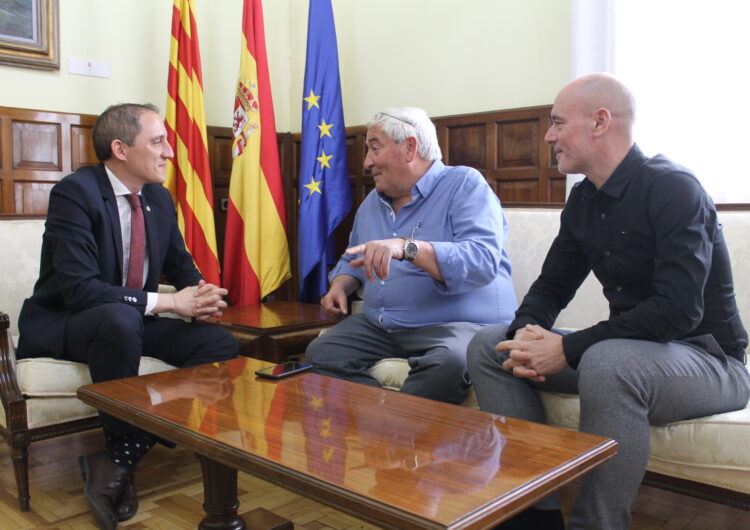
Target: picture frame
29 34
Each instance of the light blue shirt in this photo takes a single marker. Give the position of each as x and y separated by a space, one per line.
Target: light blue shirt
456 211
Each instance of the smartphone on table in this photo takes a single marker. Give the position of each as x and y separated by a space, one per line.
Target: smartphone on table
282 370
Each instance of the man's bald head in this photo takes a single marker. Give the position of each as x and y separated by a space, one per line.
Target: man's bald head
603 91
591 126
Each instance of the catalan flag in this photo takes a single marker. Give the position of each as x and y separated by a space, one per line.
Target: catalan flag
256 252
324 189
188 173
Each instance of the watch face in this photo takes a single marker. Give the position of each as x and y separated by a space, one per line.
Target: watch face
411 249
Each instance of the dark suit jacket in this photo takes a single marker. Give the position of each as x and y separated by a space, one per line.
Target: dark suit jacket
81 263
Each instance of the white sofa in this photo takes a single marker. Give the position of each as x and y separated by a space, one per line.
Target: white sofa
38 395
707 457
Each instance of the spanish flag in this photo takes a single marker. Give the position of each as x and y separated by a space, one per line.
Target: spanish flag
188 173
256 252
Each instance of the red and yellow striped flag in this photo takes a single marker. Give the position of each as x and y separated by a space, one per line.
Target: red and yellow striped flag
256 253
188 173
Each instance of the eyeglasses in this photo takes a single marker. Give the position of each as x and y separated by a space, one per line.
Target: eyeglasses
404 120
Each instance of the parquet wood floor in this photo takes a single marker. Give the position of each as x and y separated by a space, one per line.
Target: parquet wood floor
171 494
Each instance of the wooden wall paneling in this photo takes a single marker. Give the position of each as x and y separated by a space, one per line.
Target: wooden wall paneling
36 145
517 144
221 201
81 147
508 148
78 146
556 189
556 180
37 153
467 145
286 141
220 153
31 198
220 161
516 191
356 149
290 170
38 149
360 180
465 140
516 171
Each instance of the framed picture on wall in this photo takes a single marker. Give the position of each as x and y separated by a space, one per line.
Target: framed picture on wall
29 33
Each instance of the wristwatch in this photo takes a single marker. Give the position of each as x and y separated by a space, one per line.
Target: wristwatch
411 250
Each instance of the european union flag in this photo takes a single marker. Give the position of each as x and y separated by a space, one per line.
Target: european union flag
324 189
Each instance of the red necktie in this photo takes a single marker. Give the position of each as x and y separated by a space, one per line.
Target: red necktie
137 243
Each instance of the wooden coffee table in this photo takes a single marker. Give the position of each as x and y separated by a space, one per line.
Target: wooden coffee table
274 330
393 459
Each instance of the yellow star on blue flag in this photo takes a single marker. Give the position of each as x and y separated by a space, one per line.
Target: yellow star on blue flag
312 100
324 160
325 129
313 186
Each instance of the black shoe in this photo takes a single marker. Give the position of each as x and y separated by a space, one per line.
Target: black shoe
128 502
104 485
533 519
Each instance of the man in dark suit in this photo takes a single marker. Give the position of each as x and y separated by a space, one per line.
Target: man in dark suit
96 299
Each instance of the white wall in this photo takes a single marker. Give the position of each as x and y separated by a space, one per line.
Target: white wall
446 56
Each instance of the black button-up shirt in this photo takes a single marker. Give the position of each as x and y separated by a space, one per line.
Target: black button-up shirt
651 236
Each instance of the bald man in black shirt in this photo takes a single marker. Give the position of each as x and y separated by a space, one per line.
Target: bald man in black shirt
673 347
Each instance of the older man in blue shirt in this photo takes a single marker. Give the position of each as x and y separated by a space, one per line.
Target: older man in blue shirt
427 245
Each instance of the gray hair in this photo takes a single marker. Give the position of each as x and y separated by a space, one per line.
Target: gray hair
405 122
118 122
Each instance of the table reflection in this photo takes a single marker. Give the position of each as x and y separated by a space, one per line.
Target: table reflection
350 435
423 460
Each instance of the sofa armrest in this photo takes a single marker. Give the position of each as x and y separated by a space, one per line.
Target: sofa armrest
14 404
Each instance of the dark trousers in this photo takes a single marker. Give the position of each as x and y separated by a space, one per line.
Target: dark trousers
436 355
111 339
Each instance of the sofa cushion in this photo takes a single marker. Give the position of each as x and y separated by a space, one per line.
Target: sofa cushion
46 377
52 383
713 449
390 373
42 412
702 449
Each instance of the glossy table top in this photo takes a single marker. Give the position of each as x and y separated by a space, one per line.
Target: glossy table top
398 459
274 315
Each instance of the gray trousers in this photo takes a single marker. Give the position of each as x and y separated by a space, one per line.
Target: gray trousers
436 355
624 386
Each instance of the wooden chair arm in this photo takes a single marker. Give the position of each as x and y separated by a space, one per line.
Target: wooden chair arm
12 399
